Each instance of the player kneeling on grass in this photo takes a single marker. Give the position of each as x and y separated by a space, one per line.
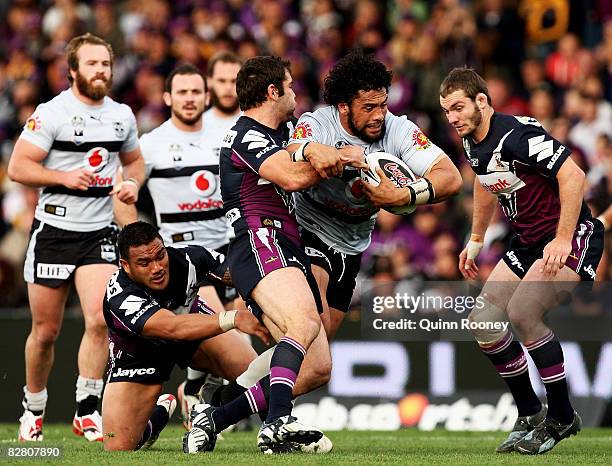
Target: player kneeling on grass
155 321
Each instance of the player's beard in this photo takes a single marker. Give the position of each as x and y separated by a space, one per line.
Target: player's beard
188 121
93 91
361 133
474 121
215 101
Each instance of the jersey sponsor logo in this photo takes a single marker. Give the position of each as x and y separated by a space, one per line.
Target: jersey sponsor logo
514 260
203 183
33 123
555 157
54 271
354 191
589 269
302 130
255 139
132 372
501 183
96 159
539 148
271 222
201 204
102 181
142 311
131 304
228 139
420 141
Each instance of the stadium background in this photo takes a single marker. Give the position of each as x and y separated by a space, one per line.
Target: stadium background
545 58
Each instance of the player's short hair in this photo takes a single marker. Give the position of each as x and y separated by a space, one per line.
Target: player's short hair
355 72
134 235
255 76
76 43
466 80
221 57
183 69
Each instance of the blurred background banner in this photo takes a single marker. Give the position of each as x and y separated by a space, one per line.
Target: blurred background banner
374 384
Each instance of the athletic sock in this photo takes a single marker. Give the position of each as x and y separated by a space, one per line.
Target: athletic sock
195 380
35 402
284 368
155 425
547 355
509 359
253 400
88 394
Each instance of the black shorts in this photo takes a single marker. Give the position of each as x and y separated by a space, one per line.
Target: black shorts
53 254
587 248
341 268
252 256
154 368
226 293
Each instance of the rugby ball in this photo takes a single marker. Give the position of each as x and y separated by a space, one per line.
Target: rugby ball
395 169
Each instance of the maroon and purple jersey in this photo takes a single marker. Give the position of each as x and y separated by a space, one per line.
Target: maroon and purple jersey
252 202
128 305
518 162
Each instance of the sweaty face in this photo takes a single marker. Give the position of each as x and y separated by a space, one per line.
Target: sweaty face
93 78
148 265
461 112
222 85
366 115
187 98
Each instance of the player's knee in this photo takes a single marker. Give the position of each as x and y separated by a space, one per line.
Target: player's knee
114 444
96 327
45 334
521 321
481 319
305 329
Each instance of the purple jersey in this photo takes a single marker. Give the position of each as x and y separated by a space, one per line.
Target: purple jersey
128 305
518 162
252 202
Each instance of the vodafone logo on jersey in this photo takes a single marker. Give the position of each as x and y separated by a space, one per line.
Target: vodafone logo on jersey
96 159
203 183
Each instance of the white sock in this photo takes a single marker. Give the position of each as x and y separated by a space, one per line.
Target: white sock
35 401
86 387
193 374
258 369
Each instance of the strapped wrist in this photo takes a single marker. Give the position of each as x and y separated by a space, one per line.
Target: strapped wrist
299 155
132 180
227 320
421 192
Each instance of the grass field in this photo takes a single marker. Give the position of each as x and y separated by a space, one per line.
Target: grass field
591 446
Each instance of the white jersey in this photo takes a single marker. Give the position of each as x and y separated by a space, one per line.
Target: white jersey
217 127
183 179
336 209
76 135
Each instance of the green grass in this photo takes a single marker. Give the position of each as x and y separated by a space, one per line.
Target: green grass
591 446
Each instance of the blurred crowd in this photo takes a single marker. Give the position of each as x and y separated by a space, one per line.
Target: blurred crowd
548 59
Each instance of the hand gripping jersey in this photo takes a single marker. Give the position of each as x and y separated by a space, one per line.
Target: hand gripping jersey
518 162
252 202
77 135
128 305
336 209
183 179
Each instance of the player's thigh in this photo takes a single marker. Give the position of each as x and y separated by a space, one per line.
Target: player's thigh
47 305
209 294
500 286
90 282
227 355
285 297
316 368
126 408
539 292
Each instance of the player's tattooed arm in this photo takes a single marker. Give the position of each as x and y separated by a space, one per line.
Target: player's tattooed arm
571 192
